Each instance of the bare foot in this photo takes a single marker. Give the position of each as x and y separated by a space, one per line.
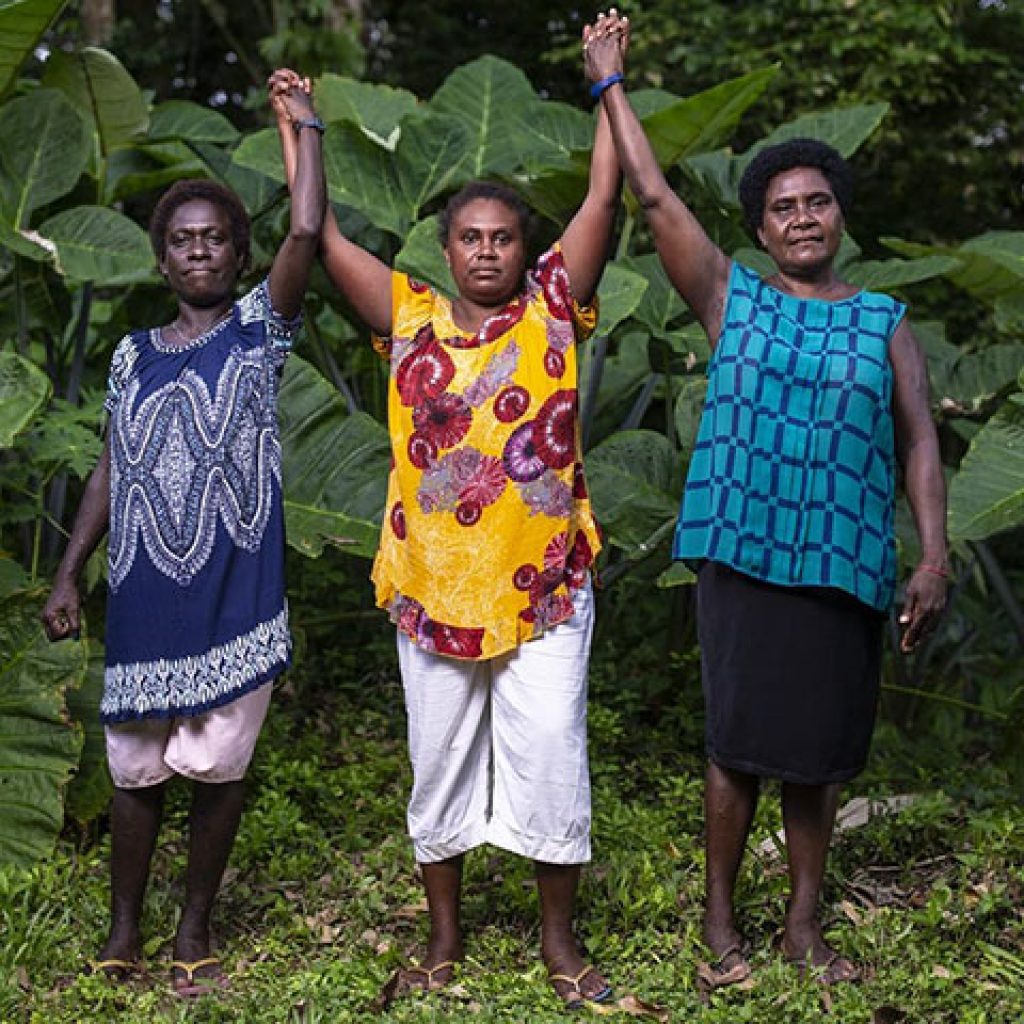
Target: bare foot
574 980
805 948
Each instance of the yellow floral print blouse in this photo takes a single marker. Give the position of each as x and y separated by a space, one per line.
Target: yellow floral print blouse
488 529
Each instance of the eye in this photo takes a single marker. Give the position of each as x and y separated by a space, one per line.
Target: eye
503 238
469 236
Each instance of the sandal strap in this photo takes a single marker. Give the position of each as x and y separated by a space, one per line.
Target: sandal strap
573 980
189 967
428 972
113 962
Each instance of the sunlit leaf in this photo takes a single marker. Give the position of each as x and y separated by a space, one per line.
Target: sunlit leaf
661 303
24 390
987 494
335 466
377 109
95 243
620 293
423 258
45 150
22 25
189 122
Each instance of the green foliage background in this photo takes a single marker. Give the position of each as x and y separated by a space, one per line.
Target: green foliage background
925 96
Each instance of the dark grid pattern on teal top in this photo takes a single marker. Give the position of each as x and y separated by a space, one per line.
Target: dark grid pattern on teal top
791 479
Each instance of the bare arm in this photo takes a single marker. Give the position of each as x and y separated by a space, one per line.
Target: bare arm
61 616
918 449
289 274
587 236
364 280
697 268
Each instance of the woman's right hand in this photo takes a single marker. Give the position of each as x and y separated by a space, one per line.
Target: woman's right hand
290 95
61 615
604 45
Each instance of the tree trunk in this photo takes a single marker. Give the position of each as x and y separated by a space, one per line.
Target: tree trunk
97 22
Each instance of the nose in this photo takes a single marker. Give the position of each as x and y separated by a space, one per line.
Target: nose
487 249
198 249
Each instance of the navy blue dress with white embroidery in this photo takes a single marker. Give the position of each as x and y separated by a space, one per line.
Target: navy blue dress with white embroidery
196 612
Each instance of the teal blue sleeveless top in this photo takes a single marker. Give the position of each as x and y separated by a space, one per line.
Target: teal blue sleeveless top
792 477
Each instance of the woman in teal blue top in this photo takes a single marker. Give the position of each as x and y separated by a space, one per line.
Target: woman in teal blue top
815 390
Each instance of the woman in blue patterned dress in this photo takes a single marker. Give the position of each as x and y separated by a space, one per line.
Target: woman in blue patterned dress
815 389
189 487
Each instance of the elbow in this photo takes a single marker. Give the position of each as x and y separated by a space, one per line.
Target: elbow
305 232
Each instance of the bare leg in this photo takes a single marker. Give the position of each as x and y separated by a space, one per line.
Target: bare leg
443 882
556 886
213 823
730 799
808 814
134 825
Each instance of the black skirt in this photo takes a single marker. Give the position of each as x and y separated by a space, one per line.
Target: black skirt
790 677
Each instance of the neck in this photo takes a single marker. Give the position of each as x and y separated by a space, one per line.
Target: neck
195 320
823 284
471 316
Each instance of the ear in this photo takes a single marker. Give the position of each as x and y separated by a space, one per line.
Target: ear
447 257
760 238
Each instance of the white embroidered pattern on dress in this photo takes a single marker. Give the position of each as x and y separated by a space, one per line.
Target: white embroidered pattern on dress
198 681
185 460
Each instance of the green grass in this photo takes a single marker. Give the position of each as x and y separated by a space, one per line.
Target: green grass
322 902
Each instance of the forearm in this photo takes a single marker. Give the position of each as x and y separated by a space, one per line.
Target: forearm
926 492
308 186
635 153
91 522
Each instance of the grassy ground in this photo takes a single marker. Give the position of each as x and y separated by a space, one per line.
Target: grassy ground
322 901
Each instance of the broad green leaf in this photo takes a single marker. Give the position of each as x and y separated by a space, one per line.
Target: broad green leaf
90 790
620 293
844 128
39 746
151 168
677 574
484 95
95 243
12 577
377 109
661 302
22 25
97 84
988 266
689 406
649 101
987 494
335 466
635 481
1010 312
885 275
423 258
25 243
704 121
551 134
66 439
556 192
24 390
975 378
189 122
47 301
429 150
44 152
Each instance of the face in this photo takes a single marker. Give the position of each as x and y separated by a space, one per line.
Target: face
200 262
486 252
803 223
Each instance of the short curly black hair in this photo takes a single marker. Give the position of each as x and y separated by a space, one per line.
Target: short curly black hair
184 191
483 190
784 156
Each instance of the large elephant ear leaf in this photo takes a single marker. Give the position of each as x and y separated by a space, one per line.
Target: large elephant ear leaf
22 24
987 494
335 466
635 480
39 745
24 390
377 109
97 83
482 94
95 243
91 788
45 150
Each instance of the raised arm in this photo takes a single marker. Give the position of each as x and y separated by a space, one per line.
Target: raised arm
289 274
697 268
364 280
61 616
588 235
918 449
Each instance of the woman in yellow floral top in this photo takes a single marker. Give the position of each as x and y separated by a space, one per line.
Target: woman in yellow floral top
486 547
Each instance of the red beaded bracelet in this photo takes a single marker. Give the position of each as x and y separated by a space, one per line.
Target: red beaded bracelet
935 570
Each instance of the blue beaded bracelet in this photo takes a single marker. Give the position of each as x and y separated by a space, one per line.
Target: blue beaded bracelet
599 87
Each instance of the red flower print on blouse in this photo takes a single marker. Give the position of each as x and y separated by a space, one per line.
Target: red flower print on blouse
579 482
521 459
468 513
487 482
554 553
426 371
554 280
511 403
422 451
457 641
554 430
554 363
444 420
398 520
525 577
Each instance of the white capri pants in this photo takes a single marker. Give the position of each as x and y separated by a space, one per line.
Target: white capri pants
499 747
215 746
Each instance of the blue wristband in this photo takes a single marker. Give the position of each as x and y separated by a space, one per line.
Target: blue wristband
599 87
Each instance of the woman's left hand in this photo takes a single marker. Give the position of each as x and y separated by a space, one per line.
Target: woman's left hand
604 45
290 95
922 606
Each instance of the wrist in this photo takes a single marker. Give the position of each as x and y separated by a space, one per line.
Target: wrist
312 121
602 84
